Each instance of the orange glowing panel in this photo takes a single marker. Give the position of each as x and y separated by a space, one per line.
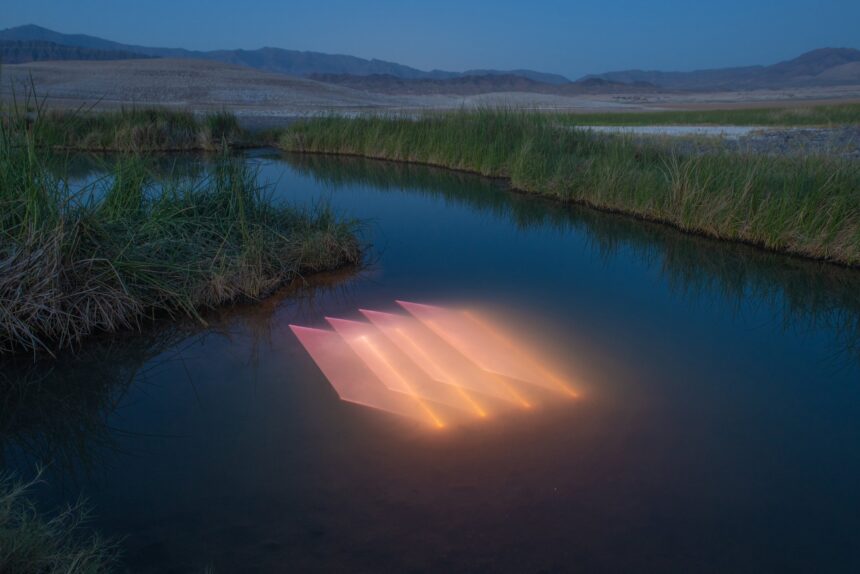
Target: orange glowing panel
442 362
434 365
354 382
488 346
396 371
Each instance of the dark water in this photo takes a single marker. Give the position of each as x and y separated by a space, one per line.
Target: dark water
720 431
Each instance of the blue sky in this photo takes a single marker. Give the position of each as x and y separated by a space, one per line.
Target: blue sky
572 38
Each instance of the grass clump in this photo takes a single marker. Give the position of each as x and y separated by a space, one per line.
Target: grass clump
131 246
139 130
31 543
808 206
829 115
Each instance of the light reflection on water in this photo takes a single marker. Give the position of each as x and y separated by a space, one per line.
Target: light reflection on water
721 425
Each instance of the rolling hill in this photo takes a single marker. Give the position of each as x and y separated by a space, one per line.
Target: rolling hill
823 67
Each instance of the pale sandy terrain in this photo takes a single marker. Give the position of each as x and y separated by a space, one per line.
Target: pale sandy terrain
195 84
745 99
260 100
202 85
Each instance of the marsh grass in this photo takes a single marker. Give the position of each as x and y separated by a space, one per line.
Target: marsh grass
132 246
133 130
808 206
795 115
32 543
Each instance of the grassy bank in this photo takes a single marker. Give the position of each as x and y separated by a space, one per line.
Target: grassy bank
130 247
806 294
808 206
31 543
137 130
825 116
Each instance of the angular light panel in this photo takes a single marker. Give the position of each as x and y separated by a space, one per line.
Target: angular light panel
394 369
436 365
352 381
436 358
488 345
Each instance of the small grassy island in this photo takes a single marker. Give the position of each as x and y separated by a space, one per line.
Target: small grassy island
131 246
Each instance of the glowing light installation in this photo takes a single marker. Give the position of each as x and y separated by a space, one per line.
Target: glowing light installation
435 365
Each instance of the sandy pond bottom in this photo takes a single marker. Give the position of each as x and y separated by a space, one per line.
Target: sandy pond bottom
717 430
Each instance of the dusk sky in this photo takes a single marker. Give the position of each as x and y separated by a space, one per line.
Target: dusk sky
568 37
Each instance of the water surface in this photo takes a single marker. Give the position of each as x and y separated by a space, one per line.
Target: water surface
720 430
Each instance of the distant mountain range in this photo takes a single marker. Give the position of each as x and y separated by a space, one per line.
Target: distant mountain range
19 52
826 66
291 62
823 67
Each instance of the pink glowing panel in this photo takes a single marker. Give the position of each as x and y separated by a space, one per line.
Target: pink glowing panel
353 382
488 346
441 361
397 371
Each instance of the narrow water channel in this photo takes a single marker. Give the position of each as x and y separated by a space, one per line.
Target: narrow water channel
718 429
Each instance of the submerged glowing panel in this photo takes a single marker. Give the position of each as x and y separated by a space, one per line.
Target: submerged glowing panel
434 365
352 381
488 346
441 361
396 370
